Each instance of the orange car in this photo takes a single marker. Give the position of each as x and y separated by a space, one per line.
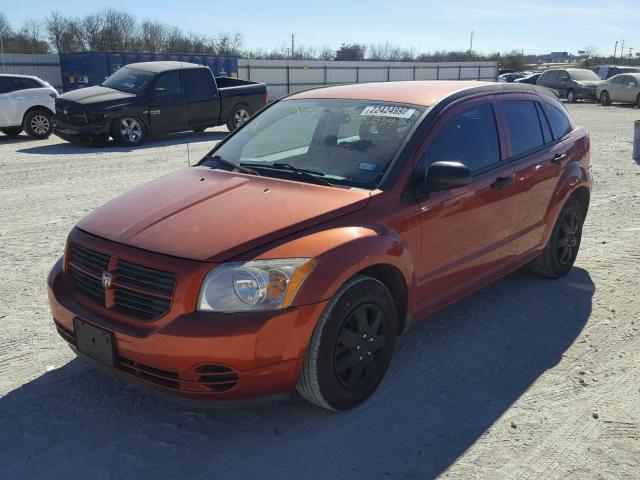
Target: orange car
298 249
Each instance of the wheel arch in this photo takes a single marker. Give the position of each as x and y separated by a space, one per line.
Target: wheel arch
33 108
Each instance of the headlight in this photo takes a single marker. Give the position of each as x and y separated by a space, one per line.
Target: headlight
255 285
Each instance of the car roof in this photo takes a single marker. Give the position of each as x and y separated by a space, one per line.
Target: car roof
627 74
417 92
156 67
17 75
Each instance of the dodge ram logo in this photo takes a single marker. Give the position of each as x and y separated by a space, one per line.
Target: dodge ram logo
106 280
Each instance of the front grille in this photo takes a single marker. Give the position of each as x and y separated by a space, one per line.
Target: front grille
137 291
70 112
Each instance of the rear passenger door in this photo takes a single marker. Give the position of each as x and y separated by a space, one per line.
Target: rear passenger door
202 98
9 108
538 157
630 89
465 230
614 87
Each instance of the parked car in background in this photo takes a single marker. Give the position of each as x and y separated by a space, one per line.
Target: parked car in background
509 77
571 83
26 103
297 250
154 98
605 72
530 79
623 88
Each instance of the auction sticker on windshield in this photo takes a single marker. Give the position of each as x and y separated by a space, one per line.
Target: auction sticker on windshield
388 111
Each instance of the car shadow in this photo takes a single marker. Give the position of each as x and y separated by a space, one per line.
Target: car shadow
9 139
453 377
66 148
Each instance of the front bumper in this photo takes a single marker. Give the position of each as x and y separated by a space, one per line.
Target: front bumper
199 355
90 133
586 93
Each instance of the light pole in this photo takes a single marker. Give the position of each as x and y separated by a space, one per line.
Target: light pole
2 52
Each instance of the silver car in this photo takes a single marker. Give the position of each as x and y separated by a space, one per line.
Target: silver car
624 88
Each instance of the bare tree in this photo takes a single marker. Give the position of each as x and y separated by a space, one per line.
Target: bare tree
154 36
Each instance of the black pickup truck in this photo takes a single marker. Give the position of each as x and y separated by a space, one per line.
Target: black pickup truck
148 99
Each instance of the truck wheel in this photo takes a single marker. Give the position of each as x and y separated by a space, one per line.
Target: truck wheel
128 131
37 123
562 248
239 116
11 131
351 346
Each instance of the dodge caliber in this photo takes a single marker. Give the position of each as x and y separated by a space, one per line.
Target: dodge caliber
301 246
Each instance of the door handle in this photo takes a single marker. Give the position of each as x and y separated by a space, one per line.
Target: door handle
558 158
501 182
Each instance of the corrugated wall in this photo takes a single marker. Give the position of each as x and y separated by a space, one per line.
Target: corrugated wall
45 66
287 76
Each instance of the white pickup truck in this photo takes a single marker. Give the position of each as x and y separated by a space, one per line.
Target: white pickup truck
26 103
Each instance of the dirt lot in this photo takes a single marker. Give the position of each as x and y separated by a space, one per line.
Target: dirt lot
527 379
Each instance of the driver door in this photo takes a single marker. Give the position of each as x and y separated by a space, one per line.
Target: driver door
167 111
465 230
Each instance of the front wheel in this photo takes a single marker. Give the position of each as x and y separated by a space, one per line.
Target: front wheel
571 96
128 131
239 116
351 346
605 99
561 250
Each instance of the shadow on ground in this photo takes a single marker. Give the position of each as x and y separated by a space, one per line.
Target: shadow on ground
452 377
66 148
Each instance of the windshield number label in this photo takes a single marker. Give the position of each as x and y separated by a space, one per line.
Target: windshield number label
388 111
370 167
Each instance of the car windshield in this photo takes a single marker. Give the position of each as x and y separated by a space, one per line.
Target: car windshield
129 79
581 75
340 142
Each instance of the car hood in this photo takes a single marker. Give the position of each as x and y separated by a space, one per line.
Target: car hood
213 215
591 84
97 94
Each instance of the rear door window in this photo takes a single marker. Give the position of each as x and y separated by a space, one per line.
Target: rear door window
198 84
544 123
469 137
630 81
7 84
523 126
560 123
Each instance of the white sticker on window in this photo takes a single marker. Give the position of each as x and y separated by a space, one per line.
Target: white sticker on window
388 111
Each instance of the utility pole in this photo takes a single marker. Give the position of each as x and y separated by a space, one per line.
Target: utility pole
471 43
622 50
615 50
292 47
2 51
630 50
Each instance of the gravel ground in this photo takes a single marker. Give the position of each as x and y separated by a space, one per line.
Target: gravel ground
526 379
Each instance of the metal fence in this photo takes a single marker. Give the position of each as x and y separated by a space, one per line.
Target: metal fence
43 65
287 76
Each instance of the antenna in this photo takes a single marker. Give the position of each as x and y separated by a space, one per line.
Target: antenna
184 111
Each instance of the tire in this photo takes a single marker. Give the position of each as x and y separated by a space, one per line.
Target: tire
37 123
605 99
347 356
561 250
571 96
239 116
11 131
638 101
128 131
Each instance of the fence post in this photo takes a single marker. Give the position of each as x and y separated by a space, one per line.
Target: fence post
288 84
325 73
357 74
459 71
479 72
437 72
248 71
414 72
388 73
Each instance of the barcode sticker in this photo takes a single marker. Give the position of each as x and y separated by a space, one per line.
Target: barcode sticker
388 111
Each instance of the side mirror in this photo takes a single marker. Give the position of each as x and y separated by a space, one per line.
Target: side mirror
159 92
444 175
564 79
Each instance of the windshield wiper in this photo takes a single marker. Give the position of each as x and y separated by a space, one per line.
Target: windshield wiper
312 175
239 166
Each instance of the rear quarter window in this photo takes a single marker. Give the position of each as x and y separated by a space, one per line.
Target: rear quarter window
559 120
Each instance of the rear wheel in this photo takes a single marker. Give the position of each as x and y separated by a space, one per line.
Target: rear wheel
239 116
11 131
605 99
638 101
128 131
351 346
571 96
562 249
37 124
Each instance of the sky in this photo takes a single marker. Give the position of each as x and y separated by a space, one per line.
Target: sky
539 26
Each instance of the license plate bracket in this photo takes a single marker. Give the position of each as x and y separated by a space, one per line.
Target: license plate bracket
95 342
